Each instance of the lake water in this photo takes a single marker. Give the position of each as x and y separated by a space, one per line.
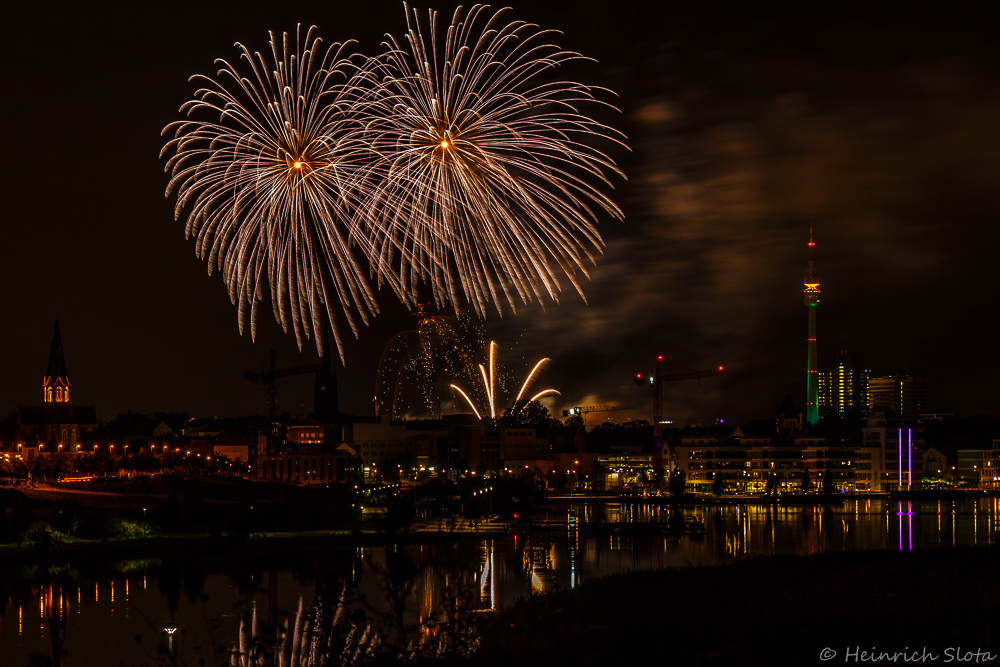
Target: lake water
202 608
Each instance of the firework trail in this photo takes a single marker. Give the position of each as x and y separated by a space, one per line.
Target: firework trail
263 164
490 386
481 179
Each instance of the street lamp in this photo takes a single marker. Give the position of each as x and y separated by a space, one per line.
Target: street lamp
170 630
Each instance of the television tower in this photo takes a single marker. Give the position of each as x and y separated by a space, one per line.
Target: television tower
811 298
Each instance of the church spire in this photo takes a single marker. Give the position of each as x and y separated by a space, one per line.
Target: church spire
326 404
55 384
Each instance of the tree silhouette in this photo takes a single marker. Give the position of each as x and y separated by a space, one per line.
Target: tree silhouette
678 481
771 485
806 483
717 484
828 487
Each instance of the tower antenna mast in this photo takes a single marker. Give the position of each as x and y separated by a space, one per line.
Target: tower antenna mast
810 297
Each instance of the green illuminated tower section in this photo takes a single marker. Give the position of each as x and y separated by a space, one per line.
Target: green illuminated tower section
811 298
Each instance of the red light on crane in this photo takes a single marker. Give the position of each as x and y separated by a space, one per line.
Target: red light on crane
720 369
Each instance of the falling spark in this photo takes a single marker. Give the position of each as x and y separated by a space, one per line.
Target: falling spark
425 360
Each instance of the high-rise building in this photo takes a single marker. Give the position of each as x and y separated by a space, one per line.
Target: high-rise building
811 299
844 388
898 395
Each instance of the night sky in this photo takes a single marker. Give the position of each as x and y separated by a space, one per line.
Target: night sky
878 128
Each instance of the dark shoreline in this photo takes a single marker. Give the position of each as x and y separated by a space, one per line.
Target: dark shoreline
370 535
196 546
775 610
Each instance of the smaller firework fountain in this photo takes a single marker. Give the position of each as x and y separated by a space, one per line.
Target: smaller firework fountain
489 384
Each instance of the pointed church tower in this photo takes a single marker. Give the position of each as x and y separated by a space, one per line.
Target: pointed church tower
325 399
56 422
55 384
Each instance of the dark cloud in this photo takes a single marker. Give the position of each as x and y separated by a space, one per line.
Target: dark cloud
890 158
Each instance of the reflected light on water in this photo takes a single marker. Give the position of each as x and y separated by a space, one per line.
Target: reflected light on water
493 572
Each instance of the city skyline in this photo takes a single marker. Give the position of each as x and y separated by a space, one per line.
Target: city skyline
745 128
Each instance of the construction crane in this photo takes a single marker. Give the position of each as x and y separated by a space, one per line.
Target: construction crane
270 378
656 381
572 412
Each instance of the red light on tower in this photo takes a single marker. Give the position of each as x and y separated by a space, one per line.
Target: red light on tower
659 358
720 369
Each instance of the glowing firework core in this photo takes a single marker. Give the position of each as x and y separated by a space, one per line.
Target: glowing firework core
444 144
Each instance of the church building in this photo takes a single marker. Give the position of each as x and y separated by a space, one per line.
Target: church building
56 421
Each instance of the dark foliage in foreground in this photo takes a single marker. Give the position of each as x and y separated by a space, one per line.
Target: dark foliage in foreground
778 610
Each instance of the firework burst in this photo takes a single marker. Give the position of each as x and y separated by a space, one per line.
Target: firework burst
425 361
490 386
263 163
481 180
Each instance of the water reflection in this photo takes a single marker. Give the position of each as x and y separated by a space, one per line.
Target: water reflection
417 599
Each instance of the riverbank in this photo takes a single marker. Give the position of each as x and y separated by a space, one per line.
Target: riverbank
779 610
258 544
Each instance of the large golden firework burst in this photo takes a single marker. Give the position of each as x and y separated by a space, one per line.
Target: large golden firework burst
461 163
263 165
482 178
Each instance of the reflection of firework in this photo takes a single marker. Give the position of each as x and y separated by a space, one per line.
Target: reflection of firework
418 365
490 385
315 637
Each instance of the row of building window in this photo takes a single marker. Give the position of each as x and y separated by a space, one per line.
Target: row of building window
380 445
312 469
